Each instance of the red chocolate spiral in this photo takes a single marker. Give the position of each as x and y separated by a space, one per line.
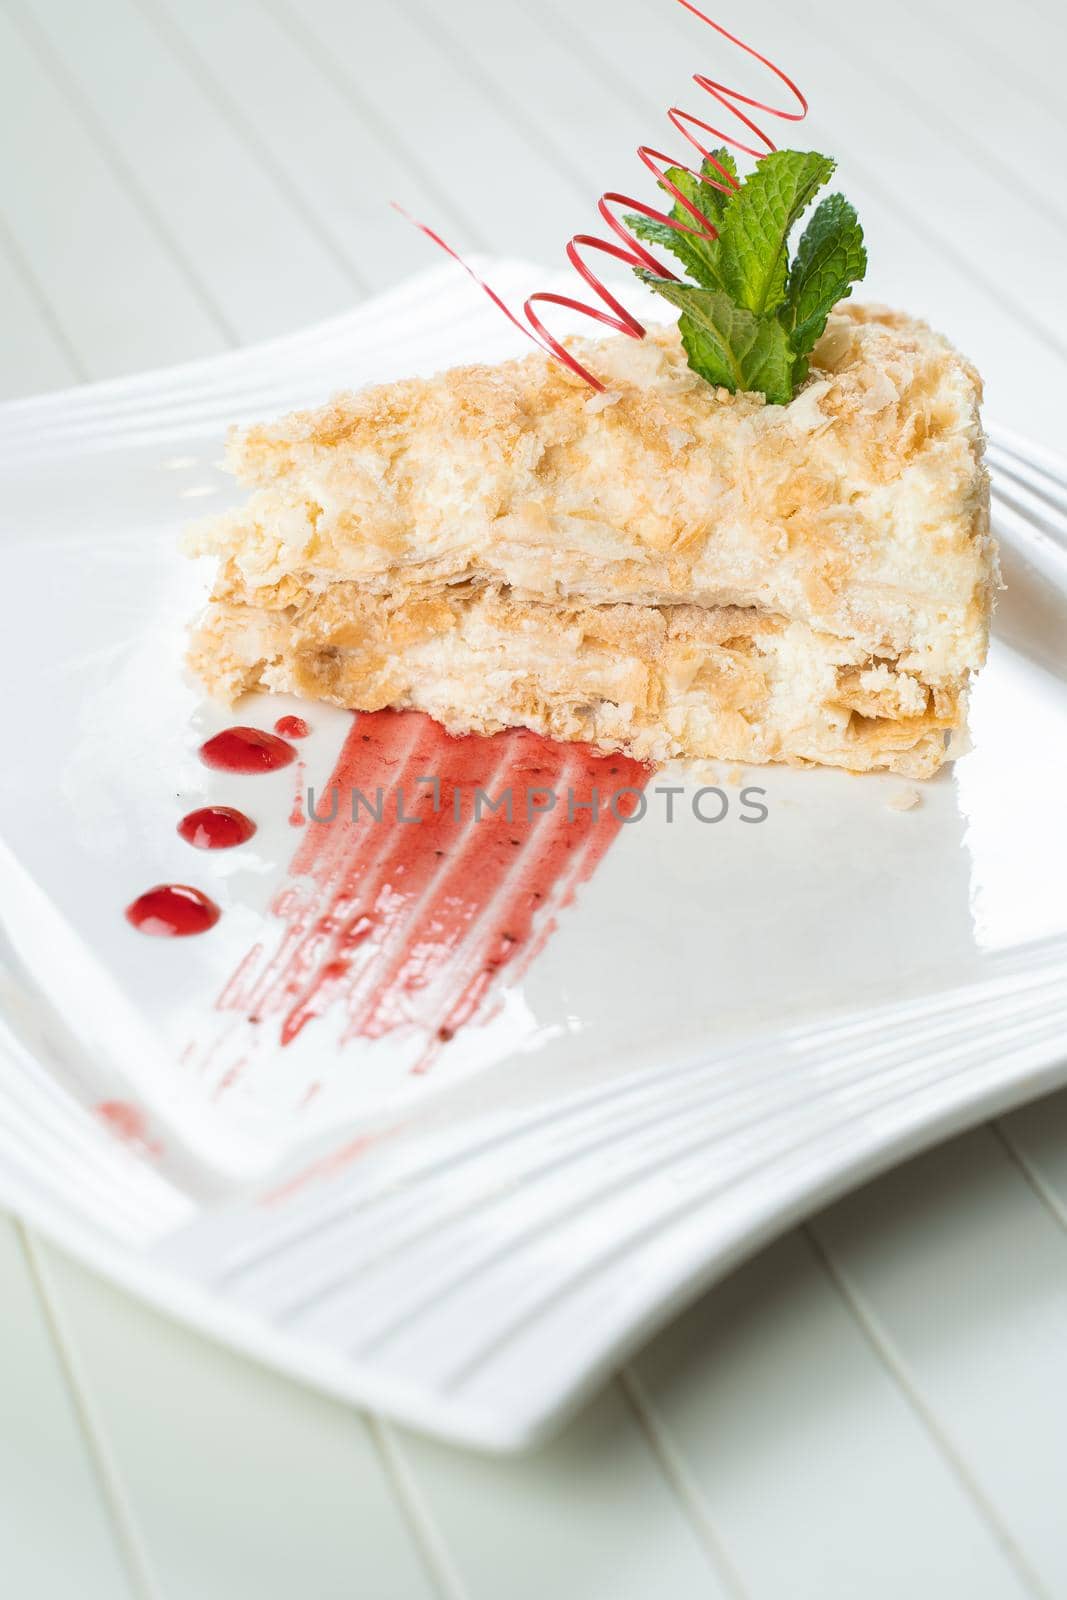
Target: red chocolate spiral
630 250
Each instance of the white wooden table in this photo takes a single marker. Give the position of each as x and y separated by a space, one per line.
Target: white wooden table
875 1406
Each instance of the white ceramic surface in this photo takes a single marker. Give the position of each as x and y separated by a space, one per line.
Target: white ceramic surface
730 1023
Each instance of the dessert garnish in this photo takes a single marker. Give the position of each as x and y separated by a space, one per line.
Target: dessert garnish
390 927
172 911
749 318
216 828
246 750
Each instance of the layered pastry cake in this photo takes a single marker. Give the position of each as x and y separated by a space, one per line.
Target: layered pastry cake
663 567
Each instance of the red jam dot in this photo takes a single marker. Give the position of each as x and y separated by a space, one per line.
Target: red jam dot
292 727
246 750
172 911
216 828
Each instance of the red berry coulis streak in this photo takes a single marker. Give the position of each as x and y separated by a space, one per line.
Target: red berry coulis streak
292 728
216 828
395 927
246 750
172 911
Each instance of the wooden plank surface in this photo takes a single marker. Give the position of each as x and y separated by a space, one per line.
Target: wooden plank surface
242 240
34 350
593 1514
240 1482
961 1273
307 129
57 1532
120 294
871 1409
802 1508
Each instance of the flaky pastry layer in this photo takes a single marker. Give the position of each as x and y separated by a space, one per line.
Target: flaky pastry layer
664 568
861 508
658 682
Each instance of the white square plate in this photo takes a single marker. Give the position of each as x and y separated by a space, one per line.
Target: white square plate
730 1023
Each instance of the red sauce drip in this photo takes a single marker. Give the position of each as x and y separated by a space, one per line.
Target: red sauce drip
173 911
397 924
292 727
216 828
129 1123
297 818
122 1118
246 750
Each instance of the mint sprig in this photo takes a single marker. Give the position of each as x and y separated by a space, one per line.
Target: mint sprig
750 319
830 258
726 343
698 254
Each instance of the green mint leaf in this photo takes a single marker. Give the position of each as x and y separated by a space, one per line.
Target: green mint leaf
757 348
728 344
704 192
748 320
699 255
830 258
756 222
696 254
